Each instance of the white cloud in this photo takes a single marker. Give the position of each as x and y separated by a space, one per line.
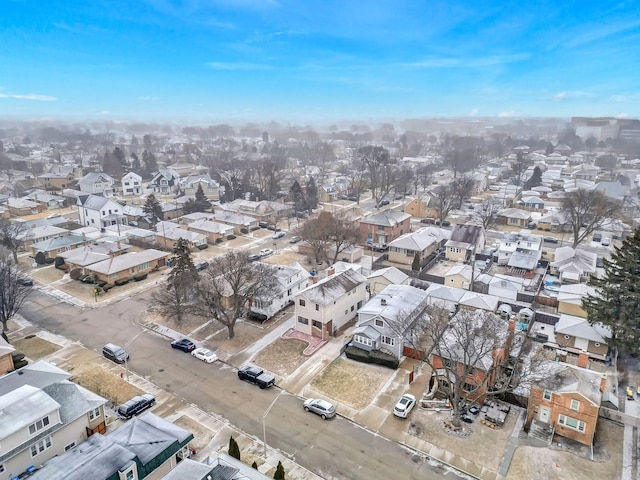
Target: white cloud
237 66
618 98
571 95
509 113
622 115
457 62
474 112
105 112
29 96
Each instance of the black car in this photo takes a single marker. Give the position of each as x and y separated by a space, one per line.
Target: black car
136 405
551 240
183 344
352 199
201 265
25 281
466 418
429 221
263 224
475 410
256 375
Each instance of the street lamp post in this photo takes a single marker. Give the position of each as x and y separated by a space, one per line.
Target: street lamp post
264 426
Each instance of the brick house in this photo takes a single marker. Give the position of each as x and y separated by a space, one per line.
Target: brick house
566 402
425 206
385 226
126 266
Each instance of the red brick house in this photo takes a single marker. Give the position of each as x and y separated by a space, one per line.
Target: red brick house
566 402
385 226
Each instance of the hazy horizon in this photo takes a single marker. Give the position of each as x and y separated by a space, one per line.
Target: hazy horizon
223 61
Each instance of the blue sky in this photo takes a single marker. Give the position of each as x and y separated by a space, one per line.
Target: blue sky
210 61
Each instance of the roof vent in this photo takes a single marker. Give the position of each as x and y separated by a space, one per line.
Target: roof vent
383 301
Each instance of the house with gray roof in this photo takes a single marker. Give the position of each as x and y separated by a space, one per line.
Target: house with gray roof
127 266
575 335
97 183
378 280
42 415
385 226
291 279
54 246
146 446
325 308
424 242
514 217
222 467
210 187
387 320
99 212
164 181
573 265
465 241
565 401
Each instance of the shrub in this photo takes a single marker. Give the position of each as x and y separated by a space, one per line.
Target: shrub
374 356
106 287
122 281
75 274
40 258
58 261
218 240
253 229
139 276
231 237
244 230
100 283
49 261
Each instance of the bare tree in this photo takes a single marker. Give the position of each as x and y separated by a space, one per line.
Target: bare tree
486 211
520 166
445 201
382 175
317 234
12 293
586 211
11 234
227 287
473 354
344 232
462 188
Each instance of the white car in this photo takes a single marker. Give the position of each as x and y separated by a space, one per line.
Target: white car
404 405
265 251
205 355
278 235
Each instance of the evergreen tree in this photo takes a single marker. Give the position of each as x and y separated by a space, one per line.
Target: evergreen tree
118 154
149 161
135 163
549 150
415 266
296 195
182 267
617 300
279 475
152 208
535 180
254 465
312 194
234 449
202 203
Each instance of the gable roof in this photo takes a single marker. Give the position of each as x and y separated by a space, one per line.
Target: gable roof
22 407
395 301
515 213
124 262
393 274
421 239
465 235
330 289
580 328
561 377
387 218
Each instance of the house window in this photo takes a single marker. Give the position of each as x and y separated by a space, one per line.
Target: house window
95 413
303 320
70 446
1 467
353 307
316 324
289 292
575 405
389 341
546 395
346 312
318 306
41 446
468 387
359 304
596 344
571 423
144 266
302 303
567 337
130 475
39 425
363 340
379 322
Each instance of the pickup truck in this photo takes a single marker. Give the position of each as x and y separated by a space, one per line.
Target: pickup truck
256 375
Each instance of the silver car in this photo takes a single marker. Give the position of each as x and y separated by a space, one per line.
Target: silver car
321 407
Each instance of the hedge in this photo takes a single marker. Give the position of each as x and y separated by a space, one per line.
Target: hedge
122 281
231 237
253 229
218 240
107 287
374 356
139 276
244 230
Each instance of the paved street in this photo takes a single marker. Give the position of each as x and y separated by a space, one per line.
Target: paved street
332 449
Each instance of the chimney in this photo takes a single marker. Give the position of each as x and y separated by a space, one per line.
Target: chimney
331 271
583 359
118 245
383 301
84 237
603 382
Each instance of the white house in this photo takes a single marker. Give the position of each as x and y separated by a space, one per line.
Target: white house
326 307
100 212
378 280
97 182
385 321
165 181
132 184
573 265
292 279
43 414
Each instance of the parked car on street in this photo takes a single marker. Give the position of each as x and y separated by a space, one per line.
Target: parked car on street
253 257
320 407
295 239
25 281
136 405
278 235
205 355
256 375
404 405
183 344
201 265
265 252
551 240
629 392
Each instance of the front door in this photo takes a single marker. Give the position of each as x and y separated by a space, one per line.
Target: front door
544 414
